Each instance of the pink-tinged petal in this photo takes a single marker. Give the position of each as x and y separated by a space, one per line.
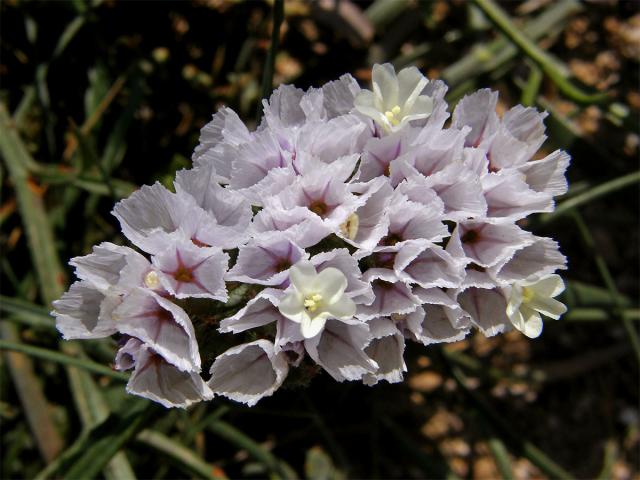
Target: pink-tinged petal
258 311
432 267
84 312
266 260
372 217
289 337
477 111
339 95
379 153
526 124
225 129
415 191
459 189
162 382
149 215
506 151
389 298
256 158
487 309
248 372
338 138
190 271
387 350
340 350
162 325
533 262
510 198
412 221
475 160
548 175
434 149
487 244
442 318
283 108
299 224
102 267
439 325
228 210
127 354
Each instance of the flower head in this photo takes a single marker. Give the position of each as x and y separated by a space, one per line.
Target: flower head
314 297
396 99
528 299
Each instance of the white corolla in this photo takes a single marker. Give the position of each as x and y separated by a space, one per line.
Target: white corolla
396 99
527 300
314 297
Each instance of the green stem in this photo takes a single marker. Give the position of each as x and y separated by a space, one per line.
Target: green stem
500 19
531 89
239 439
592 194
267 77
53 356
609 282
184 457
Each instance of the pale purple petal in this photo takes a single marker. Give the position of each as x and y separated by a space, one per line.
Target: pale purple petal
477 111
509 197
190 271
162 382
340 350
162 325
258 311
532 262
248 372
386 349
84 312
487 244
548 175
266 260
487 309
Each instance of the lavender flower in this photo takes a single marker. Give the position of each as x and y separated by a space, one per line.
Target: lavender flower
348 223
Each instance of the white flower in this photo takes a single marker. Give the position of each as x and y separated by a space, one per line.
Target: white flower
396 99
314 297
528 299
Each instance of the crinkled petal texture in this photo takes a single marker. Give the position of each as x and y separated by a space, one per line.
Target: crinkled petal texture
340 350
387 350
156 379
84 312
162 325
248 372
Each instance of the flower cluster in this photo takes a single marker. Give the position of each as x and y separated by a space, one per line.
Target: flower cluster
347 223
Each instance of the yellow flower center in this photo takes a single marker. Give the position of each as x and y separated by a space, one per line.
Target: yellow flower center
151 280
527 294
393 115
312 302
